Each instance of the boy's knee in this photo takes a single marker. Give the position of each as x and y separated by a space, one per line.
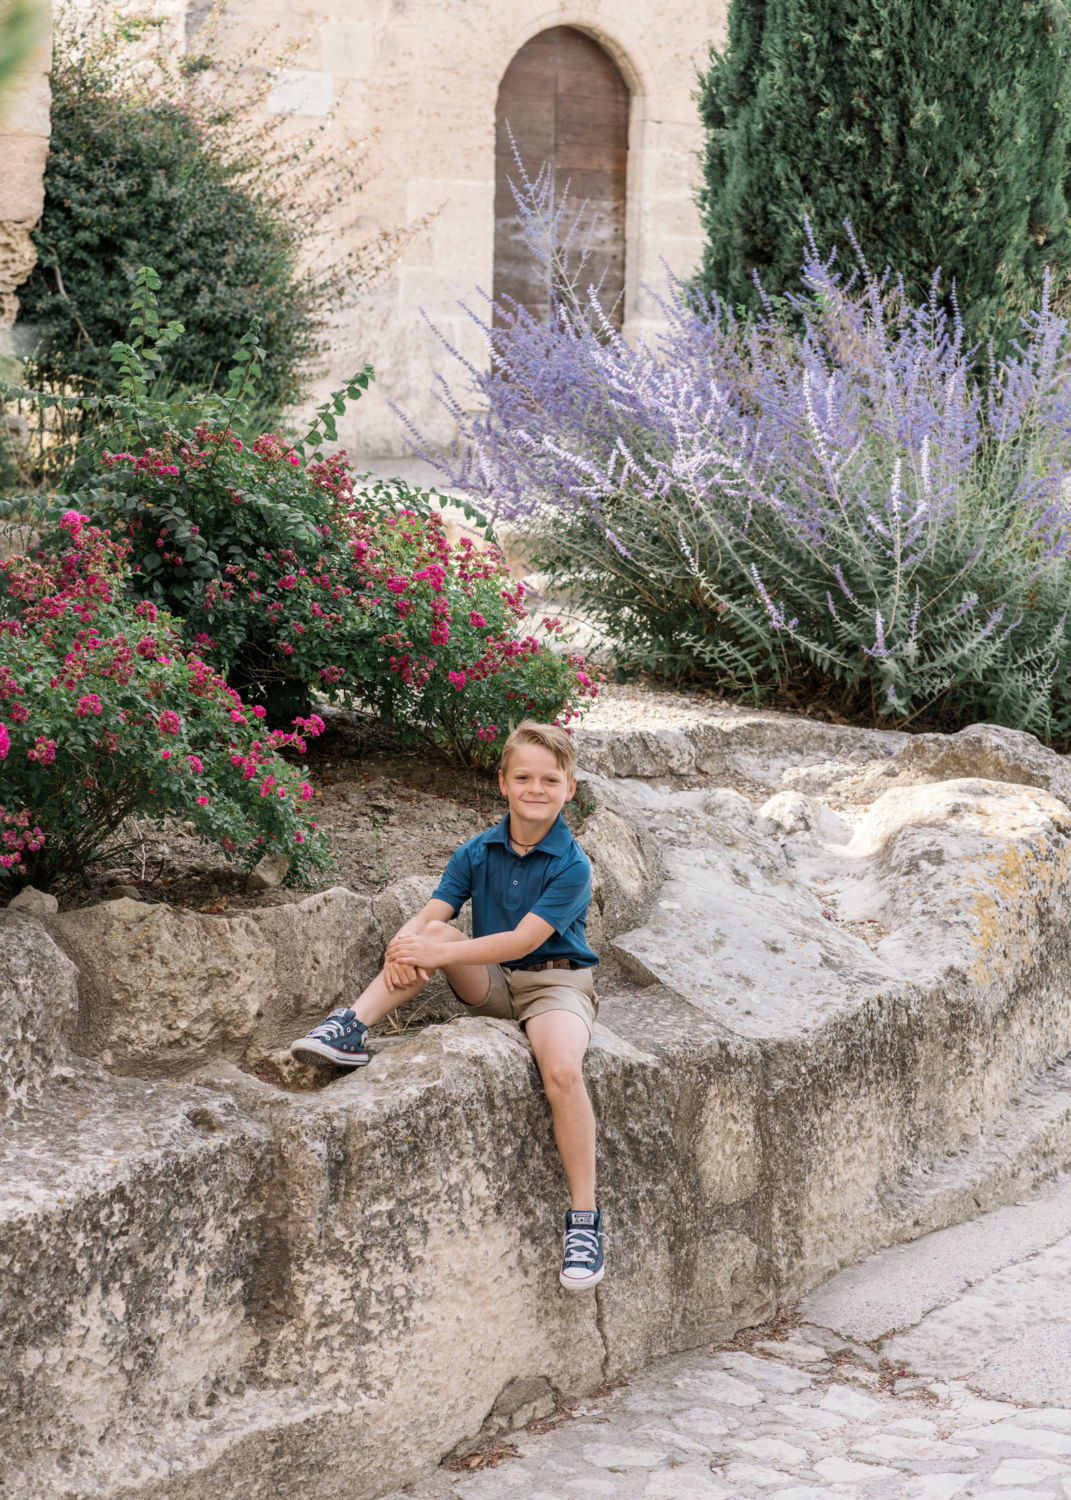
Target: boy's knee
561 1075
442 931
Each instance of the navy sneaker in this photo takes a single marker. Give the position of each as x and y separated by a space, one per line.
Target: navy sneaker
339 1040
584 1263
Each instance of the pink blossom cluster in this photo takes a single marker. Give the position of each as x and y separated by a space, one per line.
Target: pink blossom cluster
17 839
273 448
152 461
334 475
78 580
76 645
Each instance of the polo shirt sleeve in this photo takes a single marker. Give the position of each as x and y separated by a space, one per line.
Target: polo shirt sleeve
455 887
566 897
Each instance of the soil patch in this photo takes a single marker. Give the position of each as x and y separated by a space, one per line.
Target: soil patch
387 811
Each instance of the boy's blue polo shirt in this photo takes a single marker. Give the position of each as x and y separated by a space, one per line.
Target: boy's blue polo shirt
553 880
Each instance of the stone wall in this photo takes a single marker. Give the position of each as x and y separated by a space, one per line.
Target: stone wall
217 1288
425 77
420 83
24 133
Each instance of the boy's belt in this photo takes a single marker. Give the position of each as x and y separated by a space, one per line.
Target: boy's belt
551 963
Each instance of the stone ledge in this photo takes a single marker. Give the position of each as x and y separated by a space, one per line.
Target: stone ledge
762 1123
743 743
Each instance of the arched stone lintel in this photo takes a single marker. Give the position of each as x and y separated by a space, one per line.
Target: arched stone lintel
626 50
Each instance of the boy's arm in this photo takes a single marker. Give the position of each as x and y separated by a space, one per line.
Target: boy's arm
416 951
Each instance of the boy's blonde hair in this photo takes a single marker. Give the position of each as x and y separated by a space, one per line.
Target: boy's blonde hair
528 732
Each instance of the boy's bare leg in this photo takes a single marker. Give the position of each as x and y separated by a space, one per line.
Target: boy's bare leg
559 1040
471 982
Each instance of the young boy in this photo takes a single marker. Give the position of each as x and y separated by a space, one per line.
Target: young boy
527 961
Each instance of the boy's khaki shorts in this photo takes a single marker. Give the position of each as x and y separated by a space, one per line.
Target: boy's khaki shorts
519 994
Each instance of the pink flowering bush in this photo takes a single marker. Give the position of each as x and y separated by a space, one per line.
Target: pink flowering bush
287 578
431 636
365 604
104 715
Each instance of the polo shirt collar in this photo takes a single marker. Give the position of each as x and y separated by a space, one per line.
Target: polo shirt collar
555 842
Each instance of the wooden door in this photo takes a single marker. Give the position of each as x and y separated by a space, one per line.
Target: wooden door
566 103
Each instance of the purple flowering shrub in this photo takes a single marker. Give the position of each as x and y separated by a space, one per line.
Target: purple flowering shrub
104 716
825 508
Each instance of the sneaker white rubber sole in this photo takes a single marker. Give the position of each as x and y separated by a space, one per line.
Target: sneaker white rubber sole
308 1050
582 1282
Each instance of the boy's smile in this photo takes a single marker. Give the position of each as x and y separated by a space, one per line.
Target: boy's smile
536 789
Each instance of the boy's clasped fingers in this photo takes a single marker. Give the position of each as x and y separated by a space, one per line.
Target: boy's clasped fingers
398 976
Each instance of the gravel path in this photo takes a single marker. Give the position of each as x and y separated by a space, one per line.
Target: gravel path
808 1418
633 706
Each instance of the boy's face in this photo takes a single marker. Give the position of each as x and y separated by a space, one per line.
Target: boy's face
535 784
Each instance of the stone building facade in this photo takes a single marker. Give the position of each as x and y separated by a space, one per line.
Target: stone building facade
429 75
24 131
602 89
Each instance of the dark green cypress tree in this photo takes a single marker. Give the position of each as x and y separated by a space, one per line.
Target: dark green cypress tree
939 128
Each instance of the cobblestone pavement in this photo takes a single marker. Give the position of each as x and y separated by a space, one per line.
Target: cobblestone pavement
702 1427
983 1307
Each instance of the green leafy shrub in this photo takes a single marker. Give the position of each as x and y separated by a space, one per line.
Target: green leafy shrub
390 614
293 582
181 169
105 716
939 129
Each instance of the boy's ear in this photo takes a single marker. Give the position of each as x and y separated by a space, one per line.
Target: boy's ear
572 790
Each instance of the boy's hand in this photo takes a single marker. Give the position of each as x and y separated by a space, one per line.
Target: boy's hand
412 950
399 976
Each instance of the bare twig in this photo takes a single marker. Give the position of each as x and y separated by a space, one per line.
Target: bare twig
63 293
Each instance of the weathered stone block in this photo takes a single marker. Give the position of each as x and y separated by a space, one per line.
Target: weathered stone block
625 867
523 1401
159 990
130 1223
22 186
342 1284
675 751
401 901
34 903
709 741
124 893
638 752
623 883
801 817
18 253
990 751
38 1007
268 873
594 752
27 98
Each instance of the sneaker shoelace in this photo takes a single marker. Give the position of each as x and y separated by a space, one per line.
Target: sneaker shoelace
581 1247
332 1028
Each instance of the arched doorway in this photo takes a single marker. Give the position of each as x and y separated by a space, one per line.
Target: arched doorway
566 103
